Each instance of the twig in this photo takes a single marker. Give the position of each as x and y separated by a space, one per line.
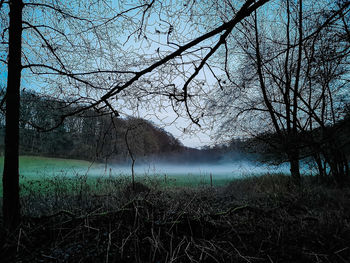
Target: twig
19 239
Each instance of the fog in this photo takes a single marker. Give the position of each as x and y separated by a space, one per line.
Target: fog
234 169
221 169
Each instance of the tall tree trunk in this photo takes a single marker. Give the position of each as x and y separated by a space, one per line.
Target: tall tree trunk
10 179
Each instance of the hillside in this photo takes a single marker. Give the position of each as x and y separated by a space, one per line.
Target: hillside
92 135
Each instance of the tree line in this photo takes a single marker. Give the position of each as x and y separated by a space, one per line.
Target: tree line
325 149
91 135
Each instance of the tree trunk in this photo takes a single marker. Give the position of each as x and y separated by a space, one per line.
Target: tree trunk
321 170
10 179
337 163
131 156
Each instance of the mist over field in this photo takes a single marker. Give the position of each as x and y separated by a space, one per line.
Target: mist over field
229 169
36 167
193 171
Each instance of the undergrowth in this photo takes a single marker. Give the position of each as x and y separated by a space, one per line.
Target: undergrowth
254 219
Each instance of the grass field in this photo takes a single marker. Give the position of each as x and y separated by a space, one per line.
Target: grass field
255 219
73 211
46 174
36 166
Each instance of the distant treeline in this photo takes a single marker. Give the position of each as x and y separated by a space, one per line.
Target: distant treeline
99 136
90 135
327 148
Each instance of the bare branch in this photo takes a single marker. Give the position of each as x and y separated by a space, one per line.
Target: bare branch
49 46
56 9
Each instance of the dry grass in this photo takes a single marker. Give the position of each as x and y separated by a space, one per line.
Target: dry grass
256 219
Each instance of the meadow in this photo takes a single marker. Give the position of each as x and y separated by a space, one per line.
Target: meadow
45 173
75 211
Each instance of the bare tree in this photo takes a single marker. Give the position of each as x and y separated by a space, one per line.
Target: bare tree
277 89
132 130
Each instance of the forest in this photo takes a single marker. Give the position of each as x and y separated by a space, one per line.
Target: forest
88 87
89 136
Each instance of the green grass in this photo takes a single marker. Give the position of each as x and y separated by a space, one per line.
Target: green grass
57 174
39 172
35 166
